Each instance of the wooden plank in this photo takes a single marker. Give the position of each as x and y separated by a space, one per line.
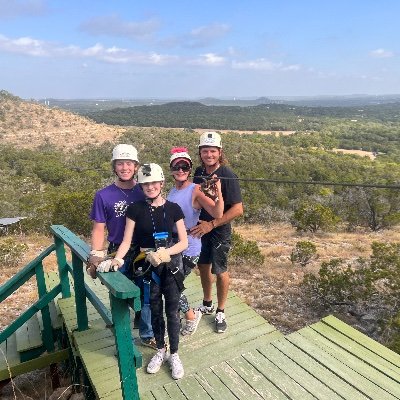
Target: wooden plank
192 389
8 355
28 335
151 396
279 378
359 351
362 339
216 389
110 382
353 362
298 373
56 319
234 382
308 358
256 380
173 391
213 346
115 395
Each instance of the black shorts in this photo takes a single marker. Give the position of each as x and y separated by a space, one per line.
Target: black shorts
215 247
189 262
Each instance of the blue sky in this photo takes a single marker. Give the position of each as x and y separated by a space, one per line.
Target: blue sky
194 49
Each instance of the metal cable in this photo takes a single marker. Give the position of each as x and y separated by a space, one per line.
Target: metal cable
262 180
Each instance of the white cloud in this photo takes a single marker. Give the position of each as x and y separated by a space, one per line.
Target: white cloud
113 25
260 65
24 45
33 47
381 53
208 59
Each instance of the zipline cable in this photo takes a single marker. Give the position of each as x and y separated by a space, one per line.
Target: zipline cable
262 180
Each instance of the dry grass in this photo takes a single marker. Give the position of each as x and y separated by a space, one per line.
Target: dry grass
28 125
273 288
26 295
360 153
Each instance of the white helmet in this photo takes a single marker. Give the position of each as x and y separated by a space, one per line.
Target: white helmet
150 173
179 152
210 139
124 152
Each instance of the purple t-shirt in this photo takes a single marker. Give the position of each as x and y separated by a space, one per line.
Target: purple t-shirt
109 207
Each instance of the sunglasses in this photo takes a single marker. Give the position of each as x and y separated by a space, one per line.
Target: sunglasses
184 167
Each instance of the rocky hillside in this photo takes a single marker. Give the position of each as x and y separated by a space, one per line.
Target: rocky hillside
28 125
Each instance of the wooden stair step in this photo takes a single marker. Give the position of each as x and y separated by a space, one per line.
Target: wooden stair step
29 336
9 355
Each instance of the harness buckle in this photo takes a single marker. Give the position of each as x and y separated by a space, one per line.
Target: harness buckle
175 271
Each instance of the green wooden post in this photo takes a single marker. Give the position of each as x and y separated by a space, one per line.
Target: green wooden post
80 292
47 328
123 339
62 267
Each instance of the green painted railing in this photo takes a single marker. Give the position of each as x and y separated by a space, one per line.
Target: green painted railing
35 267
123 295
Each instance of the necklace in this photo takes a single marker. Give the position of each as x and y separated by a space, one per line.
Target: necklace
204 173
122 191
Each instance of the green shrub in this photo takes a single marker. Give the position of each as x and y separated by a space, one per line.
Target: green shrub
340 283
313 217
303 253
11 252
245 251
72 210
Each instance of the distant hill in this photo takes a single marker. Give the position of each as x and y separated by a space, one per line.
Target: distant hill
28 124
85 106
272 116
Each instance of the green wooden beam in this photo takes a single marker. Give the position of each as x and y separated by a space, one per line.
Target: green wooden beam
38 363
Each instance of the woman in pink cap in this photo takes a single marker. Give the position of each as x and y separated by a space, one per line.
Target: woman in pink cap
191 200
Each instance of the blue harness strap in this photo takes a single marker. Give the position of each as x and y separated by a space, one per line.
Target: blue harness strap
146 292
156 278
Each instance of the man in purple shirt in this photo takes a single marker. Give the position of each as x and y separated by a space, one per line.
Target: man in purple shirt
108 215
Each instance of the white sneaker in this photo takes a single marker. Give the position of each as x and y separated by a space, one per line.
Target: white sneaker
157 360
191 325
176 366
205 309
220 322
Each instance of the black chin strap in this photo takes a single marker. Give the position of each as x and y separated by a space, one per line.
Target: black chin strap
149 200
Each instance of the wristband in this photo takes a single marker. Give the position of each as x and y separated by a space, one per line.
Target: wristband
97 253
120 261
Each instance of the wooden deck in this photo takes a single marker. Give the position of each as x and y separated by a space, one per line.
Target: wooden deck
252 360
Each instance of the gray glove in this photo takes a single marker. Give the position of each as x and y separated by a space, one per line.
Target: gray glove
110 265
95 258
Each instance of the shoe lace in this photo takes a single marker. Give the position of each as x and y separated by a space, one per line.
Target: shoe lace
159 357
220 317
175 361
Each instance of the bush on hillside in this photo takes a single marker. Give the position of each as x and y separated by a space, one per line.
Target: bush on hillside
303 253
11 252
370 286
313 217
245 251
